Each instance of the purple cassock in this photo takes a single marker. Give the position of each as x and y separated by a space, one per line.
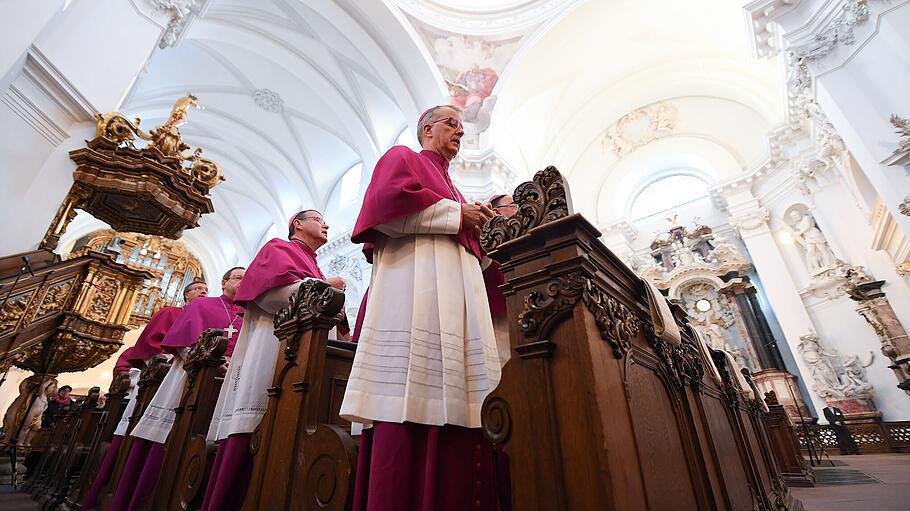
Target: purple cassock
147 346
279 263
149 343
143 464
419 466
201 314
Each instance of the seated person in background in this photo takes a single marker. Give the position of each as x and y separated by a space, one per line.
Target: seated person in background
60 404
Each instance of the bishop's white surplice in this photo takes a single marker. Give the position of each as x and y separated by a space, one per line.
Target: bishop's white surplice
427 353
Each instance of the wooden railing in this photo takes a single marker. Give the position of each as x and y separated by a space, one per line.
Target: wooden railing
873 437
149 381
303 454
104 433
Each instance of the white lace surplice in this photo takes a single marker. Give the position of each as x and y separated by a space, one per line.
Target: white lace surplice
243 399
427 353
158 418
130 402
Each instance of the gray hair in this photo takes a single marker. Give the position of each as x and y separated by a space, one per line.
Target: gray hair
429 117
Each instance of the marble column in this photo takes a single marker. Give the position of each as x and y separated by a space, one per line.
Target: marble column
743 293
874 307
751 221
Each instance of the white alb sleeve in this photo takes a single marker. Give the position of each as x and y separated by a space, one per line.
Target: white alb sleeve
443 217
277 298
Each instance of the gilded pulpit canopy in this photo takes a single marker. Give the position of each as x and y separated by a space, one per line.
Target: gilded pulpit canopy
162 188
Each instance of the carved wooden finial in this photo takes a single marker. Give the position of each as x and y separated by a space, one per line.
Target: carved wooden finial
312 299
211 344
540 201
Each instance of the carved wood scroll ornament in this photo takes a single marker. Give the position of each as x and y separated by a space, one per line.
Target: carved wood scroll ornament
542 200
314 299
617 324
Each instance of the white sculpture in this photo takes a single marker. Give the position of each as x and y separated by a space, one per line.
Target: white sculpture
647 267
817 253
715 337
831 376
725 251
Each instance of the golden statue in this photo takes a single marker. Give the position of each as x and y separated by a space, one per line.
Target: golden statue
31 421
166 139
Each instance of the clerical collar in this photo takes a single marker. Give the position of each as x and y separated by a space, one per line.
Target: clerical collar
444 163
227 299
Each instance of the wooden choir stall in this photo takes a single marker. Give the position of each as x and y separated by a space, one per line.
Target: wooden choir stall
149 381
595 410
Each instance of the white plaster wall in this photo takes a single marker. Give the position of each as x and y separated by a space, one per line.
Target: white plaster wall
20 24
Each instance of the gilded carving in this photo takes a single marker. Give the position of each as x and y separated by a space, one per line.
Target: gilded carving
103 299
13 311
55 298
147 252
540 201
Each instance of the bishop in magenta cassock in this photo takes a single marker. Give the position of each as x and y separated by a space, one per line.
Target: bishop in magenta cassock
131 361
147 451
426 355
273 276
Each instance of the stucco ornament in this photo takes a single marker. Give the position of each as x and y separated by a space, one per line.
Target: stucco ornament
639 127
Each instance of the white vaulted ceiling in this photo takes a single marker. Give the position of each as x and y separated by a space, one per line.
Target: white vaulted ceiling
606 59
295 93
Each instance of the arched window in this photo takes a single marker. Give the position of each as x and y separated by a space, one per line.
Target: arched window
666 193
350 185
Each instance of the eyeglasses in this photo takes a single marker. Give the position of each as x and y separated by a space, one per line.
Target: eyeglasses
235 277
450 122
318 219
512 205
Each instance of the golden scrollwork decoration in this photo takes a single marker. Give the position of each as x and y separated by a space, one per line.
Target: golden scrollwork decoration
55 298
165 139
13 311
103 299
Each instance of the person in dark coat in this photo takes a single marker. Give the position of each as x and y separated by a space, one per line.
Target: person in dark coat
835 417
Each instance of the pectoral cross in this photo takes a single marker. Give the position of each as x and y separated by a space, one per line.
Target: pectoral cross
230 331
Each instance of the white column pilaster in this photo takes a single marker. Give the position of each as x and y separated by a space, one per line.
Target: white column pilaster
751 221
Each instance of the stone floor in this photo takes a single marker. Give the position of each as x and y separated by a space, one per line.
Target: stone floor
871 482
